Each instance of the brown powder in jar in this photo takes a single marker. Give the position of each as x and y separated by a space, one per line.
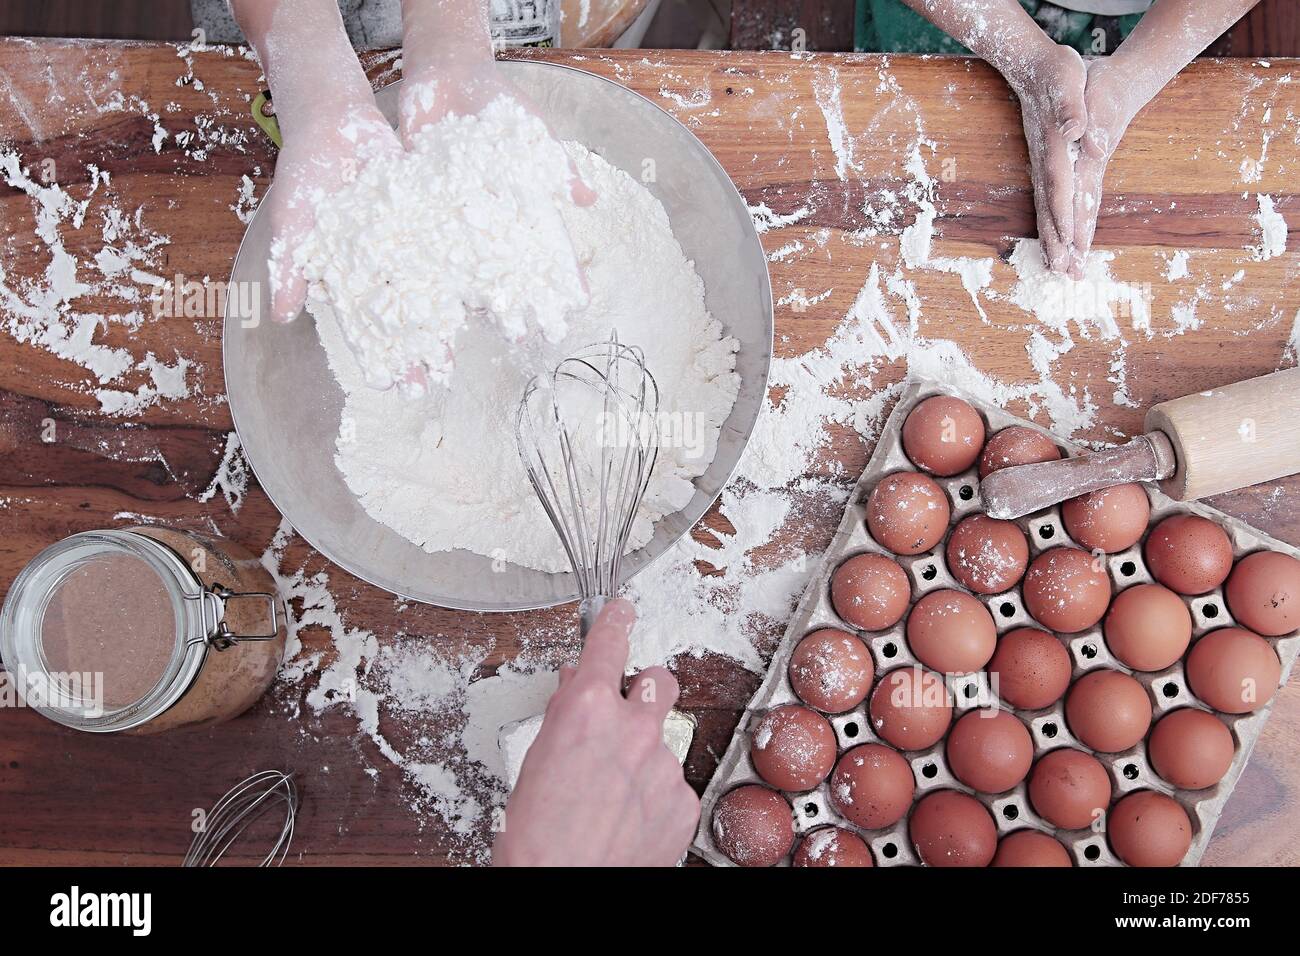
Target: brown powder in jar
230 680
111 617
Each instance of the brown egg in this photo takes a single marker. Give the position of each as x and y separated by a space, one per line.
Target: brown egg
1030 848
872 786
953 829
1148 627
833 846
753 826
1030 668
1149 829
1264 593
793 748
990 750
911 708
1069 788
907 512
951 632
987 555
1108 711
1188 553
1191 749
870 591
1233 670
831 670
943 435
1016 445
1109 520
1066 590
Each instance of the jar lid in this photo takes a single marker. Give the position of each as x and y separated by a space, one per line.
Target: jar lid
99 631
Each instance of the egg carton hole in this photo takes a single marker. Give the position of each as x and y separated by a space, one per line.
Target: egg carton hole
963 492
1090 652
1046 532
810 811
931 772
1008 611
1127 568
1210 612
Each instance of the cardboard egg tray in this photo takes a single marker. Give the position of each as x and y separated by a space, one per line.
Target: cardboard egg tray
1011 810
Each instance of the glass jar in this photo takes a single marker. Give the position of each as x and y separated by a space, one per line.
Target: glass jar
524 22
144 629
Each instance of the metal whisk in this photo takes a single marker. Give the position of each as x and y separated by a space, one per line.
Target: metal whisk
235 812
588 438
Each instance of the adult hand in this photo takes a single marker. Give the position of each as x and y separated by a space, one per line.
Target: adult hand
599 787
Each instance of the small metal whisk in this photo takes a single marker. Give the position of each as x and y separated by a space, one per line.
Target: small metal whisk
588 437
243 805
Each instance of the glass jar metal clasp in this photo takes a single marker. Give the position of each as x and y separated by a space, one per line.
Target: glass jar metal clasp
216 632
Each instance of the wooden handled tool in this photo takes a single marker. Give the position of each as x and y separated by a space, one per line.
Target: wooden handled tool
1195 446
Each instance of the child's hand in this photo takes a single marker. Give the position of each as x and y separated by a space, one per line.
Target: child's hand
1110 111
1052 108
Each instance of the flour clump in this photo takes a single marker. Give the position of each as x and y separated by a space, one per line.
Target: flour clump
465 227
441 469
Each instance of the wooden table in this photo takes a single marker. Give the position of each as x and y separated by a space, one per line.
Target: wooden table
1175 183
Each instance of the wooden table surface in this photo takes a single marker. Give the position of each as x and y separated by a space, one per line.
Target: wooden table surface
1176 183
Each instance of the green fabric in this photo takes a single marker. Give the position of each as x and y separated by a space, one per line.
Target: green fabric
889 26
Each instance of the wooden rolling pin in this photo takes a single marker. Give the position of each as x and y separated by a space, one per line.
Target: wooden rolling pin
1195 446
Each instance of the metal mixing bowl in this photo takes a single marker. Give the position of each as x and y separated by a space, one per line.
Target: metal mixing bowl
286 404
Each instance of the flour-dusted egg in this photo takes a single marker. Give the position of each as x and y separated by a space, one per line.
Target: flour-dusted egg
1066 590
1188 553
793 748
831 670
1233 670
753 826
1108 710
872 786
949 828
951 632
989 750
1016 445
986 555
907 512
1030 848
833 846
1190 748
1148 627
1030 668
943 435
1108 520
910 708
1069 788
1149 829
1264 593
870 591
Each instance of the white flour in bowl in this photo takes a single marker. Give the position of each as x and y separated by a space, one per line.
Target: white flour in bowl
442 469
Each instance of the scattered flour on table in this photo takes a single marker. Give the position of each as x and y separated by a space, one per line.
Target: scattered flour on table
442 469
1272 230
1176 265
465 226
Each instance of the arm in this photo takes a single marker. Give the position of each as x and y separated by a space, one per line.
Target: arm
1165 40
599 787
1048 79
327 115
